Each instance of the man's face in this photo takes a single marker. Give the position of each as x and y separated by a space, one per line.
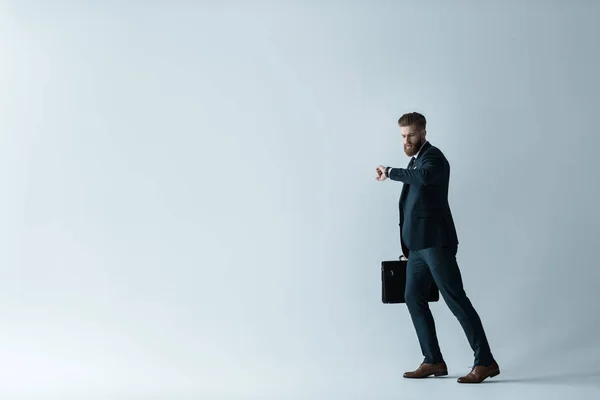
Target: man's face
412 138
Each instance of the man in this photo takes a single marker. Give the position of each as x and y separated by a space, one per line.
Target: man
429 241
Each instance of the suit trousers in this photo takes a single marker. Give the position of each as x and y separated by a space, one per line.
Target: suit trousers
439 264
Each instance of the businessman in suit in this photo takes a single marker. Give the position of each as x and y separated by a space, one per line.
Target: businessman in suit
429 241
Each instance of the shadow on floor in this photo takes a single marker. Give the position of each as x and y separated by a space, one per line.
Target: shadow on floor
572 379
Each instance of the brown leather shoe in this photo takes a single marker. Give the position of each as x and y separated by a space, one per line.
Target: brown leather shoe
479 373
426 370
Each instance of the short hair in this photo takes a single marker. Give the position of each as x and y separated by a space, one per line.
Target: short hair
413 118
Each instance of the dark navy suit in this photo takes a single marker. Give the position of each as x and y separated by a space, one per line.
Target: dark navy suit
429 241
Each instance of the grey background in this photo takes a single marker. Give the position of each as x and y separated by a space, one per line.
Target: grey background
189 204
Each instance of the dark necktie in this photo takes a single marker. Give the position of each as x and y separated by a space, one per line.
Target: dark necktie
411 163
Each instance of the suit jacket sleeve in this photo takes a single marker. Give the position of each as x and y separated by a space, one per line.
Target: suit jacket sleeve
430 172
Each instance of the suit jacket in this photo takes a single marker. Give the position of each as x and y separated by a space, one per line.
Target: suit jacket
425 216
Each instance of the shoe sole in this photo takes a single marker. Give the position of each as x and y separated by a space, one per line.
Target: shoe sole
443 373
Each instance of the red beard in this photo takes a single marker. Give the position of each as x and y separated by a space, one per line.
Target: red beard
413 149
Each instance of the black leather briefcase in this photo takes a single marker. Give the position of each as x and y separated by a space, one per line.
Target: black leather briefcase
393 283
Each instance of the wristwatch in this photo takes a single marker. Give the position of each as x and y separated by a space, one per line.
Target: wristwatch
387 171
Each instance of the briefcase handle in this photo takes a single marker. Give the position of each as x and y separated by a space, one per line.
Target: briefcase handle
402 258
